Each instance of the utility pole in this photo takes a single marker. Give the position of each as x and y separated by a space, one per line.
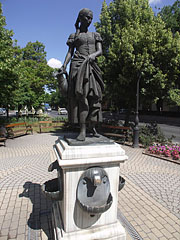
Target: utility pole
136 121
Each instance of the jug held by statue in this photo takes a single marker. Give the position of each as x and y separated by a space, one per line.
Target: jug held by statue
62 78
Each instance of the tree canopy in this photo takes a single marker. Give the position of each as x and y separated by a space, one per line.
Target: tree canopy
171 16
8 64
34 75
24 73
136 42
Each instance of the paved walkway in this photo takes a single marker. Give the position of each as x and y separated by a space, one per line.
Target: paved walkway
150 200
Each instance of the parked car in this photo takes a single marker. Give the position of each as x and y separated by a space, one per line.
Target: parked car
63 111
122 110
4 110
48 109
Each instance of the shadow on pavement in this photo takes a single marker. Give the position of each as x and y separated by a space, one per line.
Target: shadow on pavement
40 217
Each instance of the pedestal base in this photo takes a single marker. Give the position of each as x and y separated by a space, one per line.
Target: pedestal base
70 220
113 231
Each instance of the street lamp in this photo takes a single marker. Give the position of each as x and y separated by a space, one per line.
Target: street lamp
136 121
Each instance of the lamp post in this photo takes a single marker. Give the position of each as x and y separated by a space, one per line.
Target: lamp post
136 121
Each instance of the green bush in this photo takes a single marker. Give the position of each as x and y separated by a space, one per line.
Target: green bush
151 133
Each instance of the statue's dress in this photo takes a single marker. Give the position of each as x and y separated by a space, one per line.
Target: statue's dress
85 80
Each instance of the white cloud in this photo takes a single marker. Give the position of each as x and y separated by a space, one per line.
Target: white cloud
154 1
54 63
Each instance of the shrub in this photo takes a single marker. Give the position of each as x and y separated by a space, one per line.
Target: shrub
151 133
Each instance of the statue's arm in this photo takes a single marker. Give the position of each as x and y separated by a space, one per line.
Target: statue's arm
97 53
68 57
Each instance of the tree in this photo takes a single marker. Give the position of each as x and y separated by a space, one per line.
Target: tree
24 73
35 52
57 99
8 64
171 16
34 75
136 42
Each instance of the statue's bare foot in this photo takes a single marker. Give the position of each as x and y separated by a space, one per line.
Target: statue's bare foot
95 134
81 137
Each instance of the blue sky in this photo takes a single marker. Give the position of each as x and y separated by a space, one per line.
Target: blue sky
51 21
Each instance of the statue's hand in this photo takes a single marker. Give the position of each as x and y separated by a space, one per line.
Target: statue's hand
62 69
92 57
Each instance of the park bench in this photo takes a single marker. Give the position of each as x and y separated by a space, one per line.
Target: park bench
57 123
18 129
49 124
120 134
44 124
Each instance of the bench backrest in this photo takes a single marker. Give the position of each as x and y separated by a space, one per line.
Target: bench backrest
16 124
41 122
54 121
116 127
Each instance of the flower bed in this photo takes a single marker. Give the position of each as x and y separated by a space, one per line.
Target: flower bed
167 152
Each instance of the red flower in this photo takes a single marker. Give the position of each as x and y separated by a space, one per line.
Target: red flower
176 157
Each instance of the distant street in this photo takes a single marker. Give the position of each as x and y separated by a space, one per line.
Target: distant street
54 114
170 130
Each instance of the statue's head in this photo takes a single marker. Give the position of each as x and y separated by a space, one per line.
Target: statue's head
85 12
85 16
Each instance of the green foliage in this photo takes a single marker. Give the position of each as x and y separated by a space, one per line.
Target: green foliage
57 99
8 62
135 42
60 118
24 73
171 16
175 96
34 74
35 52
150 134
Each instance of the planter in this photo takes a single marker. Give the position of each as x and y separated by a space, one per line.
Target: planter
169 159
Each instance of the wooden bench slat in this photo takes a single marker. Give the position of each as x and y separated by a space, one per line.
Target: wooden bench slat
114 135
116 132
116 127
22 129
48 124
2 138
43 124
15 124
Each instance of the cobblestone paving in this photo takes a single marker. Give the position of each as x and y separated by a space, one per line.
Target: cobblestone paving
25 213
159 178
150 199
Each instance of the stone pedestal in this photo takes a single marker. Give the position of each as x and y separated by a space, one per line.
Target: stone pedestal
69 219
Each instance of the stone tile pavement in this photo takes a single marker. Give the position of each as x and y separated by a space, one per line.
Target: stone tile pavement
24 211
150 200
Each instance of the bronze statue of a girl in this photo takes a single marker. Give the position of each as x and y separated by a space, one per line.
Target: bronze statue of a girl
85 84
